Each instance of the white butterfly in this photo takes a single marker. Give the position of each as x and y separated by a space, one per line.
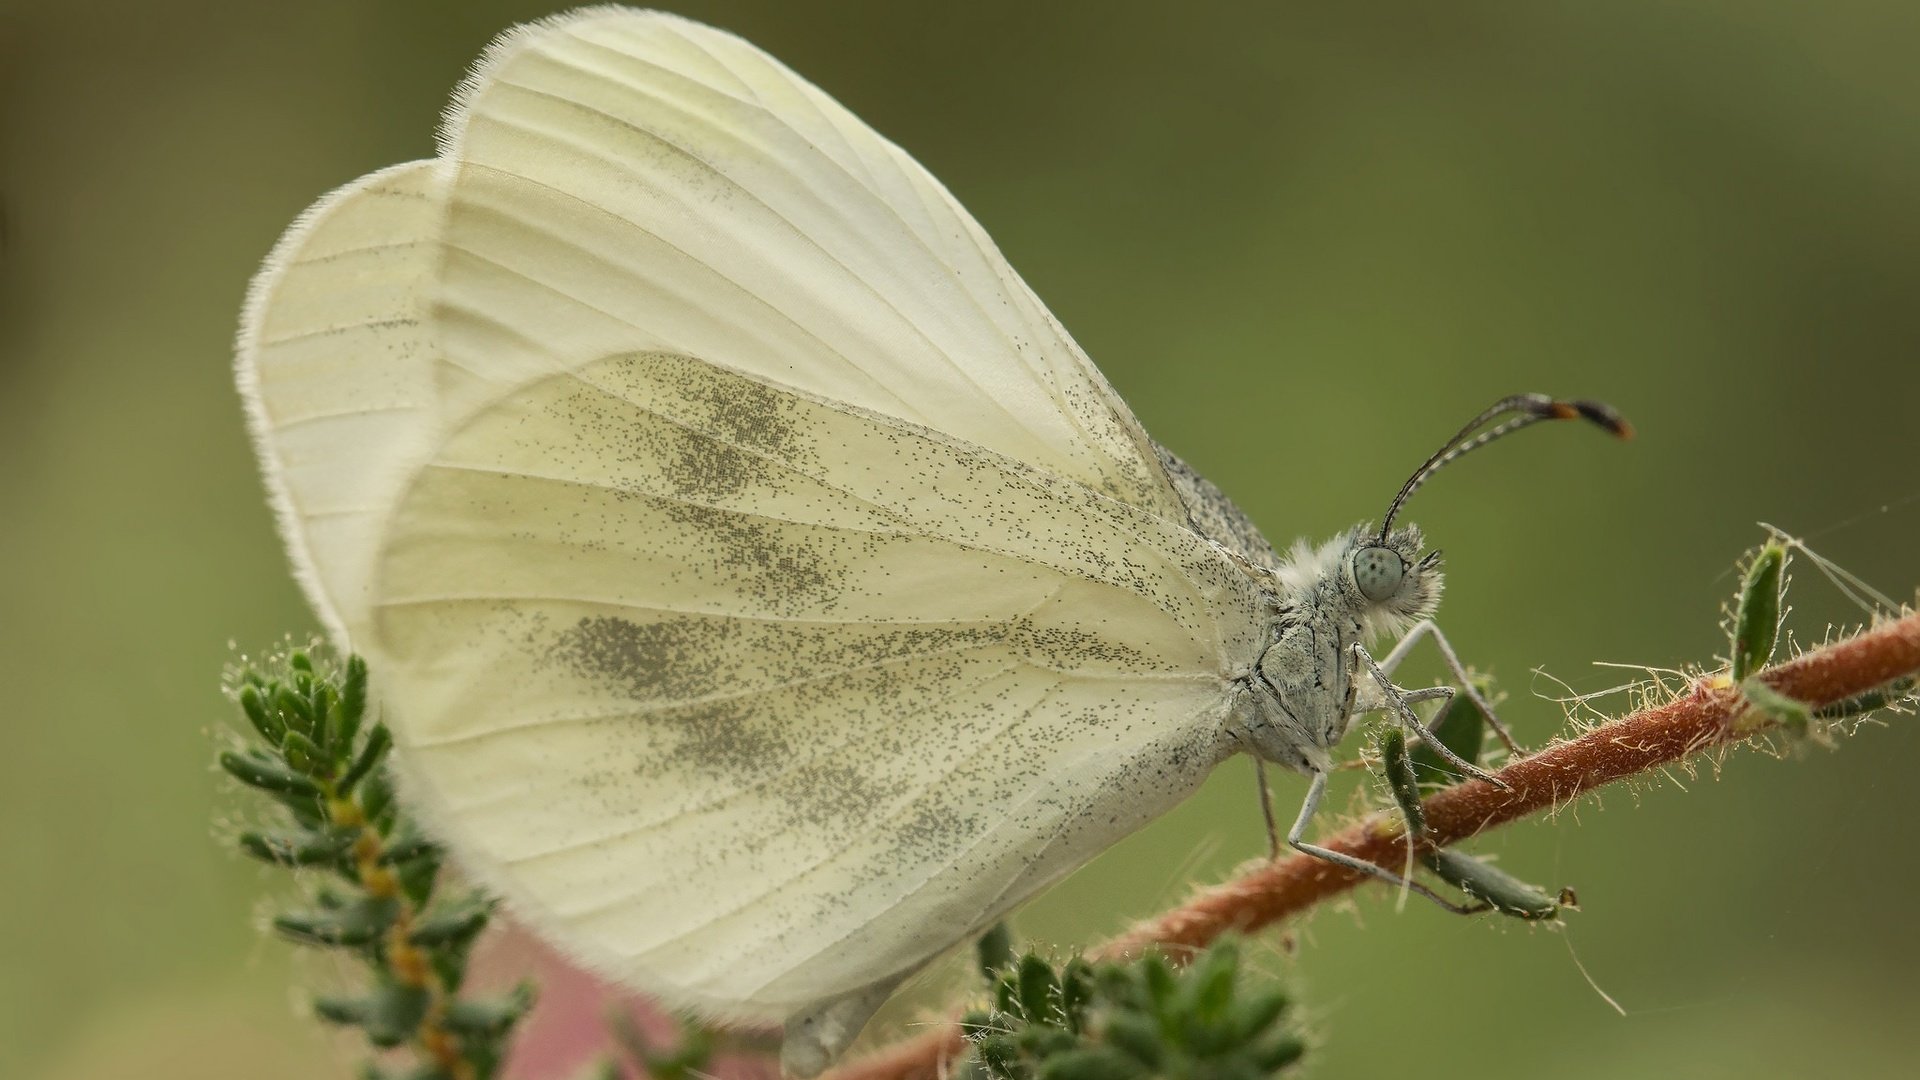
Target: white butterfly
764 591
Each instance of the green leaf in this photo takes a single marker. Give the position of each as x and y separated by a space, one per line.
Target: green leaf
267 775
417 876
489 1018
301 847
1282 1052
1000 1053
341 1010
449 962
1092 1063
1397 764
1076 992
1116 984
1258 1011
1040 1040
376 800
1484 881
263 718
351 707
379 741
993 953
1158 979
1039 990
356 924
308 811
1756 616
457 925
394 1013
1006 996
301 753
320 702
407 847
1137 1036
1208 985
1770 706
293 708
1463 730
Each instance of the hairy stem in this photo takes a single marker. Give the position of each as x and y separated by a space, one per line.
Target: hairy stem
1712 713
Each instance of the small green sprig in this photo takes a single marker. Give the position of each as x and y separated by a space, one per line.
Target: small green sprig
1127 1021
1753 636
1757 610
369 880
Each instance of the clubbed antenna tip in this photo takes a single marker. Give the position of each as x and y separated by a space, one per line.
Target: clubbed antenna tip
1597 412
1514 413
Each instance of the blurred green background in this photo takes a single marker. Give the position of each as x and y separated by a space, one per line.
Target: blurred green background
1304 240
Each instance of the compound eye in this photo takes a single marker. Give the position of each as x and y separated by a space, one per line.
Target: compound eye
1378 572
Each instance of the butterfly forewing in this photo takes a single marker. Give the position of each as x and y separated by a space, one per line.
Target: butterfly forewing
627 182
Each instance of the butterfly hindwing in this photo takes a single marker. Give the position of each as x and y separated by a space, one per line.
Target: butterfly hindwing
336 364
712 677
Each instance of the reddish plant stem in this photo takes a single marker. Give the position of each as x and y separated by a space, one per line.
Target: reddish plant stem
1708 715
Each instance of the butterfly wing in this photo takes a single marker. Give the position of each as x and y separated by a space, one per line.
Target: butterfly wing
628 181
336 366
753 699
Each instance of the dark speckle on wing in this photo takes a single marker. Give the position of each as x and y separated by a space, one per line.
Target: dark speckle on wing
770 566
732 429
649 661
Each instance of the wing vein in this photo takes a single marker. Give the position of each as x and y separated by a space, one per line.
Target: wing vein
907 411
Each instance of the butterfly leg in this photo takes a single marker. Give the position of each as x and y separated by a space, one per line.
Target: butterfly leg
1425 733
1429 628
1266 806
1295 839
1397 700
1428 693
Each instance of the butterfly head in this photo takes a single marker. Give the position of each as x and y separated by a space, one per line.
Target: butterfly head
1389 581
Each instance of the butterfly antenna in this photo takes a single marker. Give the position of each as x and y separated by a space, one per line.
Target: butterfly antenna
1520 410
